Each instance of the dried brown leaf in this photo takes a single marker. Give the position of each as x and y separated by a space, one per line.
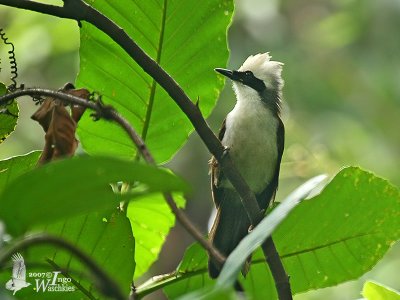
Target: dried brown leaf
59 125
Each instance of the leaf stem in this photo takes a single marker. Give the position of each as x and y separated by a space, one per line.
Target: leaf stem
154 83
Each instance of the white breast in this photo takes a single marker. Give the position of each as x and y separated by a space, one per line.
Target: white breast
251 135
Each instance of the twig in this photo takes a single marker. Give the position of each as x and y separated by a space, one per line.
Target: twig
105 284
161 281
277 270
80 11
110 113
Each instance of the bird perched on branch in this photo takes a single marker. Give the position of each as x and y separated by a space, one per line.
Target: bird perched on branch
253 133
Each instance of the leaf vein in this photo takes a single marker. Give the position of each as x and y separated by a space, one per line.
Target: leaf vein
326 245
154 83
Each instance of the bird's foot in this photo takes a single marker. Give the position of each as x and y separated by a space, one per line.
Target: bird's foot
226 151
251 227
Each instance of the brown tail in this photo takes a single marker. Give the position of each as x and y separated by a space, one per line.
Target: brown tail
230 227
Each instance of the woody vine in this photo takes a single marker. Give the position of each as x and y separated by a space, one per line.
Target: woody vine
89 14
59 114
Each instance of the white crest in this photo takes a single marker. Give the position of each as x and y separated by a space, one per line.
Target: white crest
265 69
18 280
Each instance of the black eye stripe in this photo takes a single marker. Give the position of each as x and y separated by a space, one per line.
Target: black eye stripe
250 80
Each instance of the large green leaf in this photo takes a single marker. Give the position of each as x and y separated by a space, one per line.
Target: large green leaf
8 116
75 186
187 38
341 233
151 219
333 237
105 236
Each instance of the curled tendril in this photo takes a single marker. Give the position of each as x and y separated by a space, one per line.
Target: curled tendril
13 61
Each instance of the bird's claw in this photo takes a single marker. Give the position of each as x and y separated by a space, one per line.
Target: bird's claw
226 151
251 227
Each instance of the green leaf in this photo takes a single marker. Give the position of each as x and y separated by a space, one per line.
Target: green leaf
333 237
376 291
8 116
187 38
262 231
75 186
105 236
341 233
13 167
151 220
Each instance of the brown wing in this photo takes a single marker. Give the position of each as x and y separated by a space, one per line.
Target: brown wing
268 195
216 174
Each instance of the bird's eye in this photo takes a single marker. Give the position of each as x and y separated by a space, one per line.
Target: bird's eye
248 73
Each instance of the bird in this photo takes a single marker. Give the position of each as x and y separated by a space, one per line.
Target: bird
253 134
18 280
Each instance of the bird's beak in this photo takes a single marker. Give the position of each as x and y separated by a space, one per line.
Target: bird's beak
228 73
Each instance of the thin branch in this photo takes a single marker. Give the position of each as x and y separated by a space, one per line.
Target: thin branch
160 281
191 228
53 94
105 284
78 10
109 113
277 270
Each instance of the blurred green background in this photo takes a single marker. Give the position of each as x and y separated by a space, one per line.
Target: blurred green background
342 98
